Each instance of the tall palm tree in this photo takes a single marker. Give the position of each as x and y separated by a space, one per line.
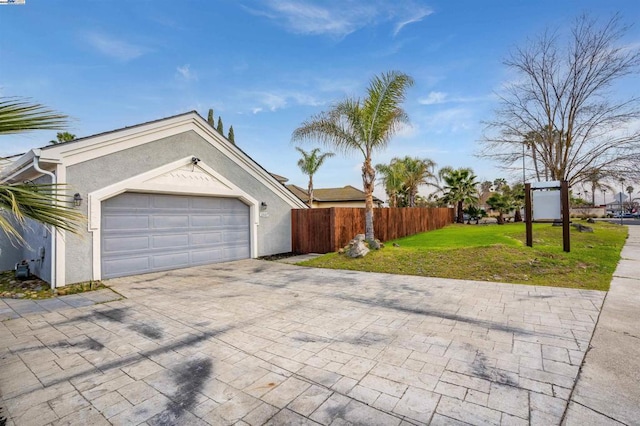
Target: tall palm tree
310 163
459 188
362 125
418 171
392 178
594 178
44 203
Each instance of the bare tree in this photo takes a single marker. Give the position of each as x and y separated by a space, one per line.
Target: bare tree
560 116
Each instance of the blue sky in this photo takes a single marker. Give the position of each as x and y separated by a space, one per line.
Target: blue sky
267 65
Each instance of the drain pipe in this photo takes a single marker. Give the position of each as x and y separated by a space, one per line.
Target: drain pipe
54 181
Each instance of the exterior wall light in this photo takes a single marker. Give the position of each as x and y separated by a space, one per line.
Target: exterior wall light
77 199
263 205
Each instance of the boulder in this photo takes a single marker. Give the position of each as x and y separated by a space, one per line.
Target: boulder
590 220
357 247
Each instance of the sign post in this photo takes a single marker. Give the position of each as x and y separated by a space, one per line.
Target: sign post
544 202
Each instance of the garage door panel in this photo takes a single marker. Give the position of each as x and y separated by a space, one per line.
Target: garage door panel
154 232
236 253
201 257
171 240
234 236
169 202
128 265
206 220
171 261
170 221
128 222
123 243
206 238
235 220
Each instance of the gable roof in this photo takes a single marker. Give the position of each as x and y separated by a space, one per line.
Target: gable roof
90 147
346 193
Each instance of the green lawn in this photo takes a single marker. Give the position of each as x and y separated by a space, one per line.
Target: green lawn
497 253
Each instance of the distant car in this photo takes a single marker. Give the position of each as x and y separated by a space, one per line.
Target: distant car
625 215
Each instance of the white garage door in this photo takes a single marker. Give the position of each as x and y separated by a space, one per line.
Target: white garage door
156 232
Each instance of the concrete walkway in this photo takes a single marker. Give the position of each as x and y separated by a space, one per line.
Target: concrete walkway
608 387
17 308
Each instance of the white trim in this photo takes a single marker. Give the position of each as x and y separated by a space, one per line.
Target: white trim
59 235
144 183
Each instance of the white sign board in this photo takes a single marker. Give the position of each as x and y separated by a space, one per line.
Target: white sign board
546 205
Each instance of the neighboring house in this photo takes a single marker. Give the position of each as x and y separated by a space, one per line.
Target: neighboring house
162 195
334 197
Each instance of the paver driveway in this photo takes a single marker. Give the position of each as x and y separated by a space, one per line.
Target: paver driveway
251 342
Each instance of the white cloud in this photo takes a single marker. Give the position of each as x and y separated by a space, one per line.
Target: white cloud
413 16
185 73
273 101
339 18
113 47
433 98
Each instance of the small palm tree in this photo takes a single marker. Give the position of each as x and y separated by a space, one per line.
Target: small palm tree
392 178
501 203
362 125
419 171
43 203
310 163
459 189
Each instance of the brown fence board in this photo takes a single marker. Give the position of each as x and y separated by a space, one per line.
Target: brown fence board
325 230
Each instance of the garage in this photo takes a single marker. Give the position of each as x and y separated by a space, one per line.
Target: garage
143 232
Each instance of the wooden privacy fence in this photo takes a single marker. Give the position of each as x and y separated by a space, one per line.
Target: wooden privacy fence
325 230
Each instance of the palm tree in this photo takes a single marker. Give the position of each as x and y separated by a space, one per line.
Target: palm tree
501 203
62 137
364 126
418 171
310 163
44 203
459 188
594 178
392 178
630 190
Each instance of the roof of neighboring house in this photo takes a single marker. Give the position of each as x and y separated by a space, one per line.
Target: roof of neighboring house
279 178
347 193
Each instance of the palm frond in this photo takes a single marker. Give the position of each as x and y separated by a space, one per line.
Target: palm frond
44 203
17 115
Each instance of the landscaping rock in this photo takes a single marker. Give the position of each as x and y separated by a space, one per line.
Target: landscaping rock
357 247
582 228
590 220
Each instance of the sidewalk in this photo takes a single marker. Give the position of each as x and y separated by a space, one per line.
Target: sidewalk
607 391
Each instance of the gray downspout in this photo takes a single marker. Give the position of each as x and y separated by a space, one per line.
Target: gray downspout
54 181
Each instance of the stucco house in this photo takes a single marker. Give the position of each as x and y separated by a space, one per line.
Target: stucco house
161 195
347 196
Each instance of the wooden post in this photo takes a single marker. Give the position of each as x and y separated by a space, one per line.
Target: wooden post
528 213
564 203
